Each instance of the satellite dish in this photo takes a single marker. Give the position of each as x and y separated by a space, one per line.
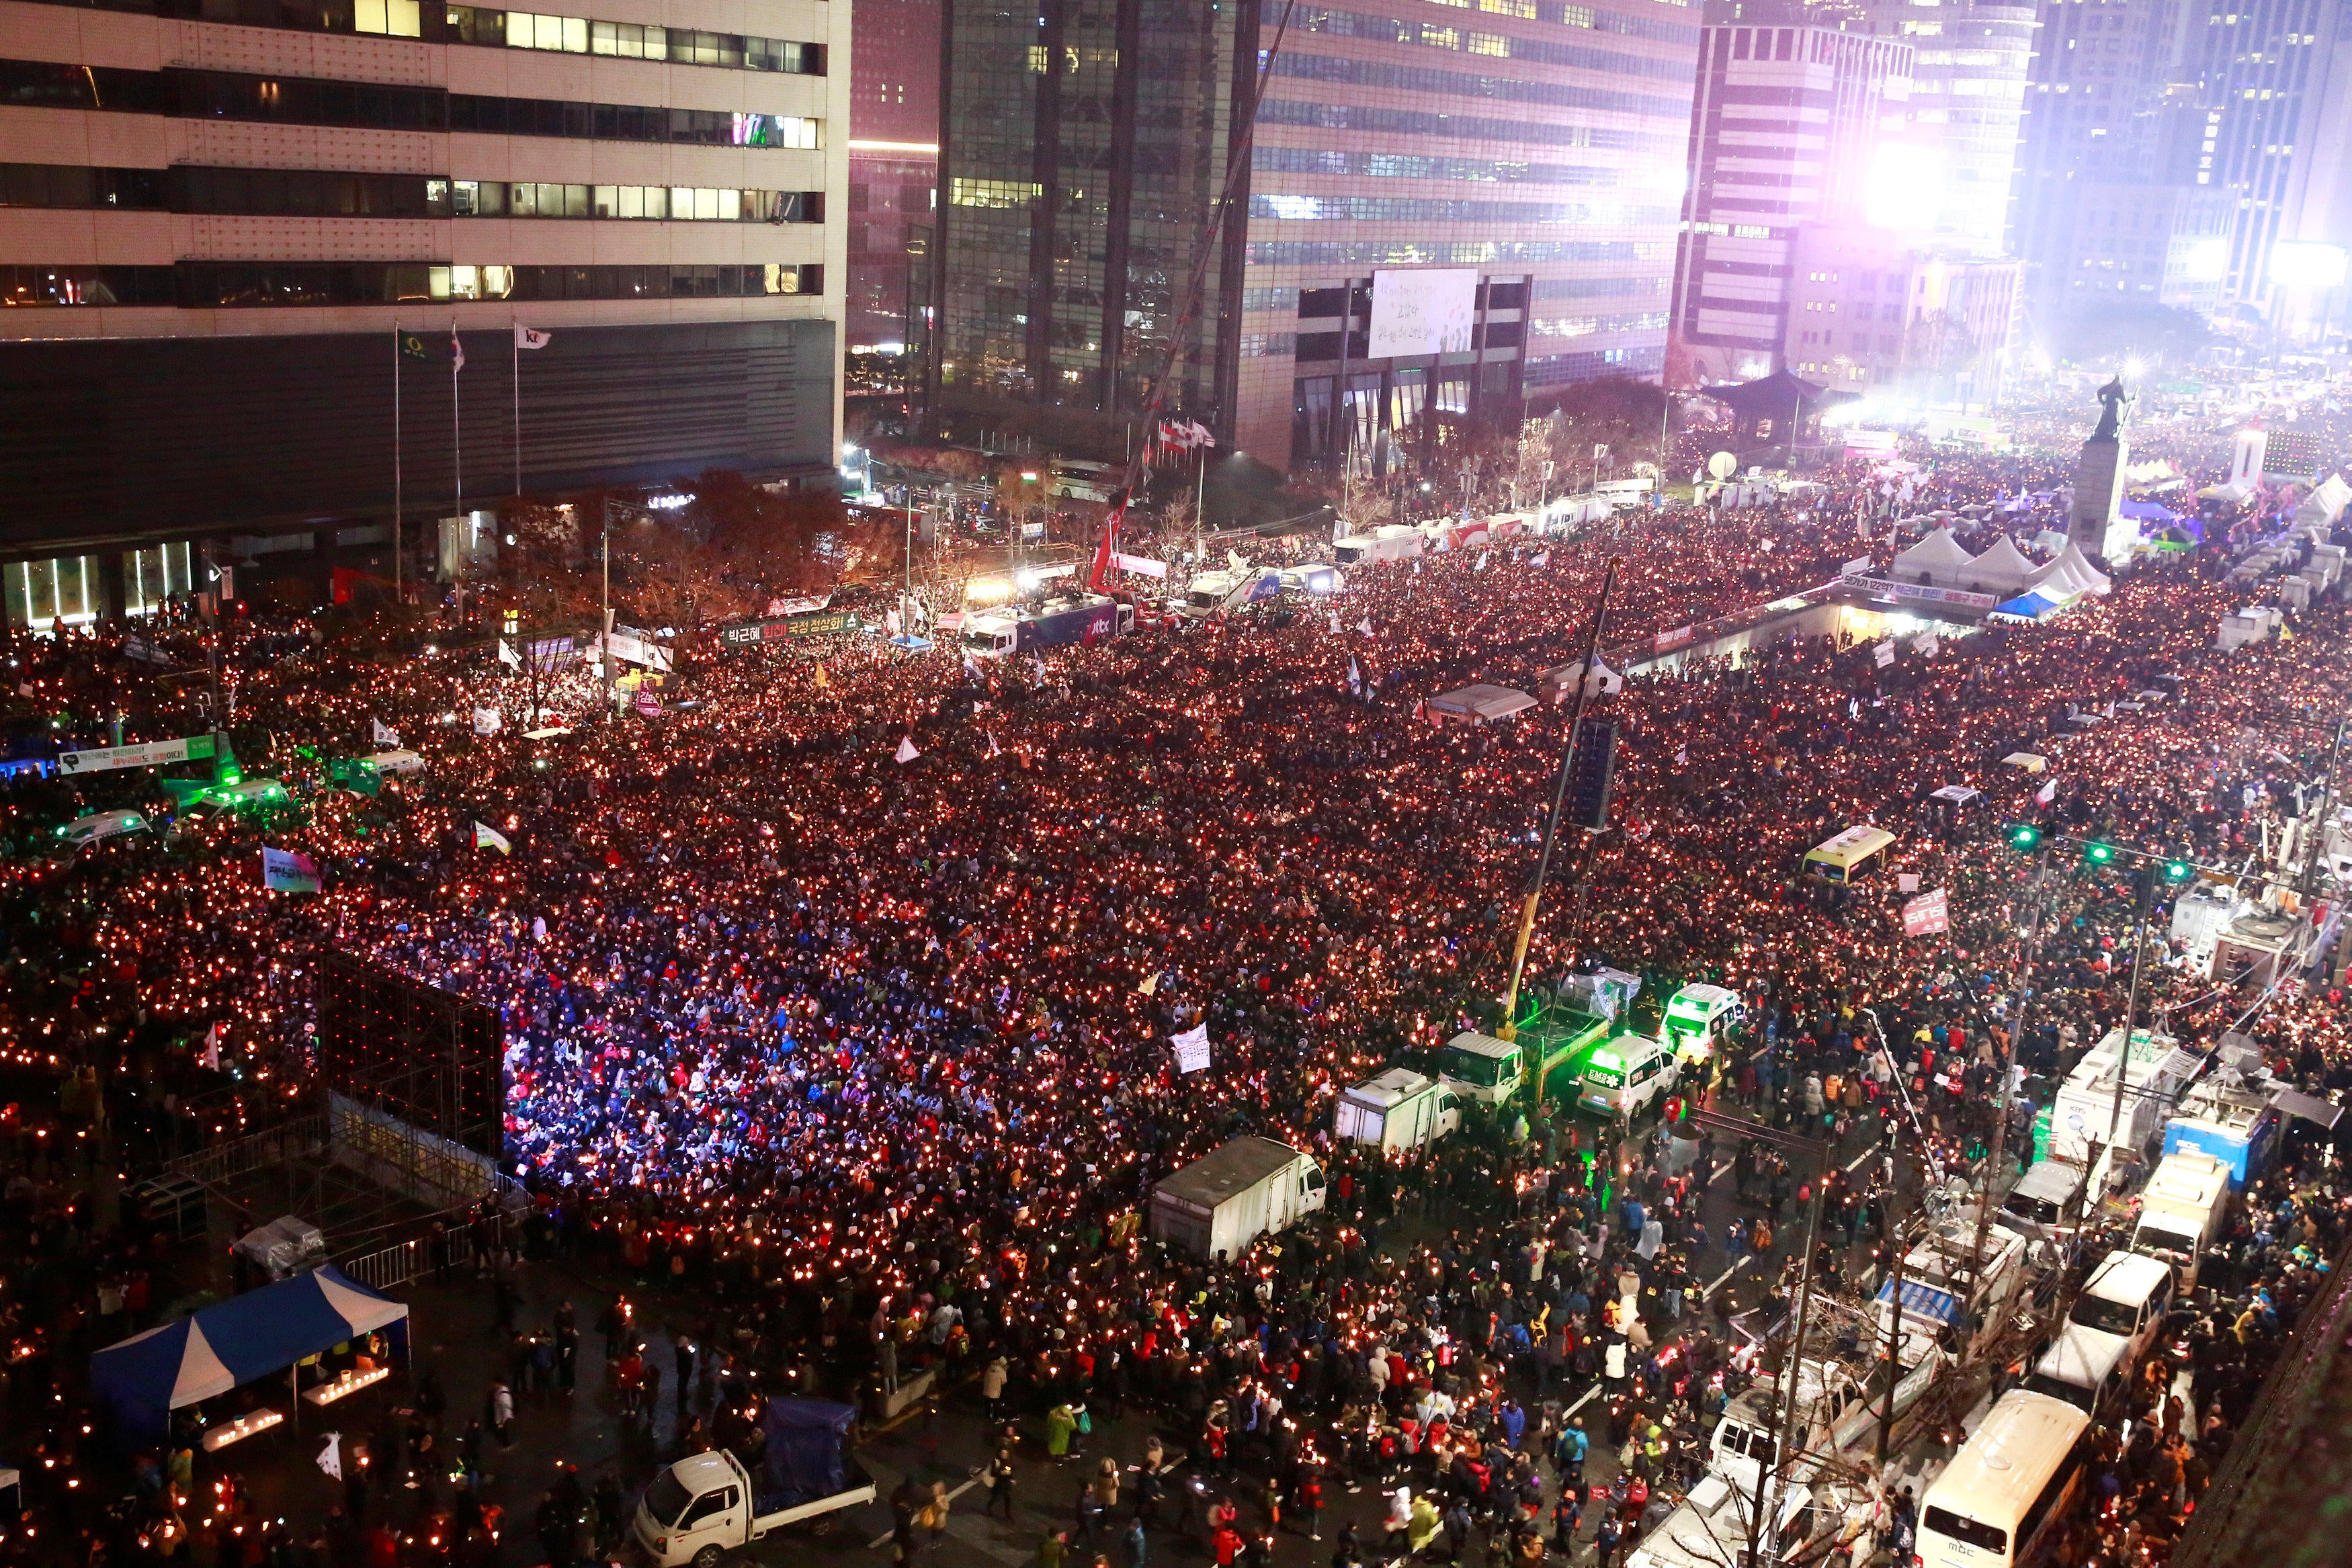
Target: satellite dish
1723 466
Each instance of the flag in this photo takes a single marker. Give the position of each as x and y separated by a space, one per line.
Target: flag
288 871
532 337
487 721
487 837
1682 757
906 752
994 749
384 734
330 1457
212 1046
1200 435
1355 678
1482 560
2047 793
411 347
1150 985
1540 558
1365 626
824 681
457 352
507 656
1335 624
1192 1048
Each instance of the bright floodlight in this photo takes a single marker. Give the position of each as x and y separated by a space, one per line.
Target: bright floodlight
2205 260
1904 189
2134 367
2303 264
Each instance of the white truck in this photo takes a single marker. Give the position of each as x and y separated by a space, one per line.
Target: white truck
1229 589
1390 541
1481 1068
2182 1210
1708 1529
706 1505
1224 1200
1398 1110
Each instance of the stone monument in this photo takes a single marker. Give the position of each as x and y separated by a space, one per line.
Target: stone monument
2096 525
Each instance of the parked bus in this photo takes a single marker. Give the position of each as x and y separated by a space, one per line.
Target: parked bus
2006 1487
1849 856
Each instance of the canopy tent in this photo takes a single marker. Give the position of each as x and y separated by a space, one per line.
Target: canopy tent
2070 574
2000 569
2147 511
142 1379
2033 606
2049 541
1479 704
1553 685
2030 761
1939 560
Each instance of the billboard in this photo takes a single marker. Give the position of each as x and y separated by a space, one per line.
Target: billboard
1428 310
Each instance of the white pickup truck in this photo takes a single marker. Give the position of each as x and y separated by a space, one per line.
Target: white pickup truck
705 1505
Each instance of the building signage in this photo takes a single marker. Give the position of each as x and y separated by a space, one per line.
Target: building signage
149 754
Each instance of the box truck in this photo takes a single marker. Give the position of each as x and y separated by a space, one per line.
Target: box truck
2182 1210
1399 1109
1221 1202
1391 542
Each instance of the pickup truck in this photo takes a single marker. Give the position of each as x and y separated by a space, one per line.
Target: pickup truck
705 1505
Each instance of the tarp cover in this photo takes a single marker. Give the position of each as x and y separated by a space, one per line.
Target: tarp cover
1925 1300
805 1443
2033 606
144 1378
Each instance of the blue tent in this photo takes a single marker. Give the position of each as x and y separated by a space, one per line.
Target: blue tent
144 1378
2031 606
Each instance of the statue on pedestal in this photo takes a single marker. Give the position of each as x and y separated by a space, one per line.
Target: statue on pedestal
2113 405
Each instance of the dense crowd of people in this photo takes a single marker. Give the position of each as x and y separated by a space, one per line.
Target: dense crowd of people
839 992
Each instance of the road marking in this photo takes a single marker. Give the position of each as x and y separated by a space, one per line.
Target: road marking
1717 1283
1582 1401
883 1540
1858 1159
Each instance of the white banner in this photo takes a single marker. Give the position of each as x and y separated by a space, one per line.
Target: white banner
1192 1048
147 754
640 651
1142 566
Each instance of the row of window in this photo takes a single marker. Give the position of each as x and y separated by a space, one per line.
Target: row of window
315 193
1315 346
1457 252
1566 16
227 95
1498 45
1437 210
1424 122
1459 84
443 24
205 284
1556 370
1324 304
1586 326
1591 287
1406 165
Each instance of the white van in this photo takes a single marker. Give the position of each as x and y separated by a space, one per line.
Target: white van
1697 1018
2046 1203
98 826
2009 1483
2116 1318
1626 1076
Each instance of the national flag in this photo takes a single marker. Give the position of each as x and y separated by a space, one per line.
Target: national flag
212 1047
1355 678
1540 558
384 734
906 752
2047 793
487 837
1365 626
1482 560
286 870
532 337
1200 435
457 352
411 347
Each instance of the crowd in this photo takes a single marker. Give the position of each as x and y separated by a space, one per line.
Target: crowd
863 1052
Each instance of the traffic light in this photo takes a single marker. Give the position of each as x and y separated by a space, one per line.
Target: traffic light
2178 872
2097 853
2024 838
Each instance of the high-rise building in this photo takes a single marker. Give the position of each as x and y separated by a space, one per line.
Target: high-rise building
894 165
1527 148
1968 96
1784 132
1871 312
2275 89
2108 207
214 215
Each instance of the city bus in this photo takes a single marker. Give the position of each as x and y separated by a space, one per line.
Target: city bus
1081 480
2006 1487
1849 856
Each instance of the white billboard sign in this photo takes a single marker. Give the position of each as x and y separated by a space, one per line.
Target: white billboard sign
1427 310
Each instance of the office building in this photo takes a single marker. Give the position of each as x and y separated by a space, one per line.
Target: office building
1872 311
894 128
1525 147
212 229
1968 73
1785 130
2108 207
2276 89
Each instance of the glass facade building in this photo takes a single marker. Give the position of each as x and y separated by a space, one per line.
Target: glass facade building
1084 146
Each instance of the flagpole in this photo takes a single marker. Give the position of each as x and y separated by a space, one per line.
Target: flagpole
514 352
457 434
398 595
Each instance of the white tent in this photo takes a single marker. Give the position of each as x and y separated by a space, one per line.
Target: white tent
1479 704
2000 569
1938 559
2071 573
1553 685
2049 541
